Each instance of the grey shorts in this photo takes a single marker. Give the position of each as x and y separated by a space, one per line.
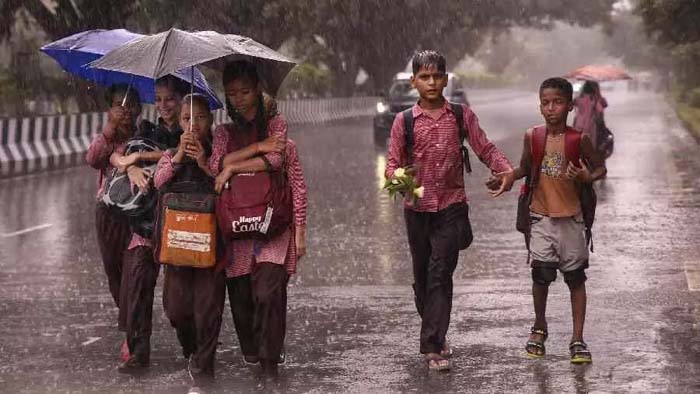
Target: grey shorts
558 242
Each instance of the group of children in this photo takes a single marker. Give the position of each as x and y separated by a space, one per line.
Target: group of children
559 163
255 271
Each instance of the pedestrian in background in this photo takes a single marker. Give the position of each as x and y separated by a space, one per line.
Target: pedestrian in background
590 108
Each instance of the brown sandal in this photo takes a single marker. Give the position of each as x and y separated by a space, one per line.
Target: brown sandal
436 362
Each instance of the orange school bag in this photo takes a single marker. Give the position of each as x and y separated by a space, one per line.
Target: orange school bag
186 229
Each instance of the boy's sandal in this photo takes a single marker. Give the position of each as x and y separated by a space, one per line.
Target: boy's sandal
437 363
579 352
536 349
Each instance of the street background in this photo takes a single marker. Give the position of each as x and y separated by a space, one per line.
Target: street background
352 325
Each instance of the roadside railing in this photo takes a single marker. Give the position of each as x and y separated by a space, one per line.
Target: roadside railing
42 143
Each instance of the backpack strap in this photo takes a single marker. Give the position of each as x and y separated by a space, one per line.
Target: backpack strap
537 144
572 145
572 148
459 116
408 134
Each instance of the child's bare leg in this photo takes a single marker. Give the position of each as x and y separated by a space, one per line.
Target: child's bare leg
541 279
539 297
542 276
578 310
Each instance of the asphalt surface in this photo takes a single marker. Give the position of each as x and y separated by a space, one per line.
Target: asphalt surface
352 325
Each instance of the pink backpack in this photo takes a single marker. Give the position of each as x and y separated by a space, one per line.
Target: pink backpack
255 205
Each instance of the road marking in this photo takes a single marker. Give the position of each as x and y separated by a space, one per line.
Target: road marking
692 275
91 340
27 230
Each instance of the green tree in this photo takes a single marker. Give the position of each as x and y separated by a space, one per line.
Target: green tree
673 25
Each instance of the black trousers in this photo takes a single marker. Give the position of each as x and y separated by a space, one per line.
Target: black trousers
139 277
435 239
259 308
193 300
113 236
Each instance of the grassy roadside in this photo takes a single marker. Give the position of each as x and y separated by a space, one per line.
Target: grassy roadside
690 117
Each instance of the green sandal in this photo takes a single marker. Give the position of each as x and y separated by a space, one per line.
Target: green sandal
536 349
579 352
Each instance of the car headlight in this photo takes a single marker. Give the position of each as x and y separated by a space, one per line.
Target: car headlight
381 107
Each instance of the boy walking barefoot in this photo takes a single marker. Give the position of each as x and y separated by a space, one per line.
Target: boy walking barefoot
438 223
557 158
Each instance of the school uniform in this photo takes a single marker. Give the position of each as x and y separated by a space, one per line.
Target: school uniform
139 277
113 231
258 292
193 298
438 223
258 271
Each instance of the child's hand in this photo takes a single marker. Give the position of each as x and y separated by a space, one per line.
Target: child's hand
505 183
116 116
222 179
493 183
580 173
185 140
195 151
124 162
300 241
139 178
271 144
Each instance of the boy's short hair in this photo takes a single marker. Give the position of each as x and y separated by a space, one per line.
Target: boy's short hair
427 59
176 84
121 89
559 83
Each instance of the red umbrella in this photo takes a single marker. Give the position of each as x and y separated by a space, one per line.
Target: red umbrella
599 73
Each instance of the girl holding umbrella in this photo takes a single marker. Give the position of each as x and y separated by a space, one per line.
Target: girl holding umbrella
590 107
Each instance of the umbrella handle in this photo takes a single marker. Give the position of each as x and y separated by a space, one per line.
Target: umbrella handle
128 88
191 93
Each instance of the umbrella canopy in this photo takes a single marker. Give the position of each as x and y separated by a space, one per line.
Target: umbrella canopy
72 53
599 73
160 54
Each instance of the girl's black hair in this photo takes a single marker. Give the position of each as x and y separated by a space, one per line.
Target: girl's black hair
590 87
176 84
121 89
200 99
197 99
243 69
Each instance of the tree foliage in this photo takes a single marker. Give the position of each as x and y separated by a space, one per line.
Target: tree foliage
673 24
378 36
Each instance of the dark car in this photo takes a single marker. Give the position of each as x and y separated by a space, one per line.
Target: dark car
402 96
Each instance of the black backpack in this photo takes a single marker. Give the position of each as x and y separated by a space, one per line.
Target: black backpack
410 137
129 201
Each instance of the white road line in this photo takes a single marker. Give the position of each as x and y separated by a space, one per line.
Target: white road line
27 230
91 340
692 275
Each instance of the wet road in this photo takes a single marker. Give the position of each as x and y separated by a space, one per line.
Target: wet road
352 326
